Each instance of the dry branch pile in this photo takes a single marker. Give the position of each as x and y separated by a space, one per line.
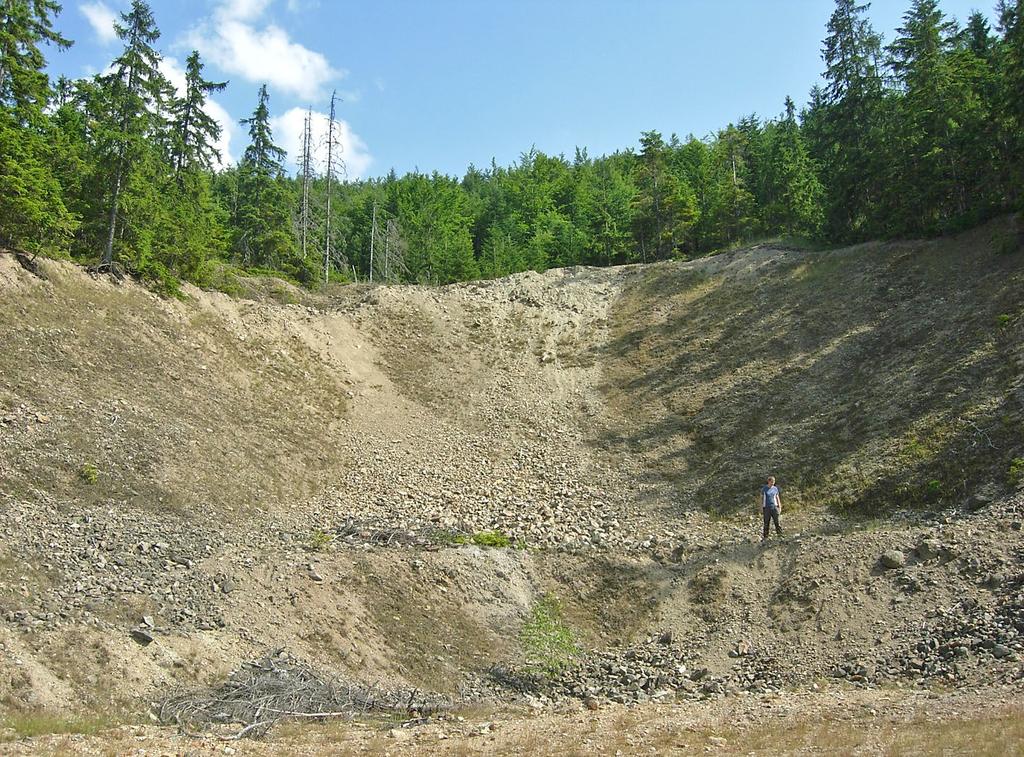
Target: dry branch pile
263 692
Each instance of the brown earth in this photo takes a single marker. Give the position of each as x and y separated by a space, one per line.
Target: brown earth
236 476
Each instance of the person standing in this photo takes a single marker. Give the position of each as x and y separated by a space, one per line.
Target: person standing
771 507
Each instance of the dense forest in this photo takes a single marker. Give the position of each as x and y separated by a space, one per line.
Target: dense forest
921 136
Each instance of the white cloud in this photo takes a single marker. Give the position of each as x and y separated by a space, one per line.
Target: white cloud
228 126
288 133
232 40
101 18
243 10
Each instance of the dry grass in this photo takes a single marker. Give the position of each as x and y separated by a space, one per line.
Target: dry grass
152 395
827 367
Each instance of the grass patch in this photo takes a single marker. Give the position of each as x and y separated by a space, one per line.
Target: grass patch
549 644
23 725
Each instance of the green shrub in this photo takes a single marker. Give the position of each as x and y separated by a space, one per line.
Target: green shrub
549 644
89 473
485 539
1003 320
1016 473
319 540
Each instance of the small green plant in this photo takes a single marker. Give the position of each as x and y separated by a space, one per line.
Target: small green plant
1016 473
549 644
89 473
485 539
1003 320
21 725
319 540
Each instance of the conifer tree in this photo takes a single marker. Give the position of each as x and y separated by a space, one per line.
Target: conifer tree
32 212
851 149
263 234
934 104
1010 67
793 193
134 95
195 131
666 206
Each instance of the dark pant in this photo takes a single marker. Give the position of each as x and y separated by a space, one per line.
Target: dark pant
771 515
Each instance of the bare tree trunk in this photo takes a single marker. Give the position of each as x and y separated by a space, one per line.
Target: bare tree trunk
304 219
108 252
330 177
373 235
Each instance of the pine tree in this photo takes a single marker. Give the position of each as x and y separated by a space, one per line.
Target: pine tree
195 131
792 201
1010 67
263 234
730 211
135 95
850 149
666 206
932 109
32 212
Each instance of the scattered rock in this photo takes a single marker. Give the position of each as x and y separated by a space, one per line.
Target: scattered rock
892 558
977 502
929 549
142 636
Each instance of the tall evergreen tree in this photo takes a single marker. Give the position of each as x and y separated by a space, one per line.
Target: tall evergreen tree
850 149
135 94
1010 68
263 233
936 105
666 206
32 212
793 199
195 131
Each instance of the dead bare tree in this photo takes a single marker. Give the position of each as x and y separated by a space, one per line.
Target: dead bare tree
387 248
306 167
373 237
335 168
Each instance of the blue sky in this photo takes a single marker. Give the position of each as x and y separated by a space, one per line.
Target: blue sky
440 84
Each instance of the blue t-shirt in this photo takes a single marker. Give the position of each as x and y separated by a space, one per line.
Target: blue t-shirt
770 496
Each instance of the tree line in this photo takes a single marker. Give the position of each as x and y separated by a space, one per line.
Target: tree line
922 136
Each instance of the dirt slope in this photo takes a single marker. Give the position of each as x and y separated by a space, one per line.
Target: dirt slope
235 476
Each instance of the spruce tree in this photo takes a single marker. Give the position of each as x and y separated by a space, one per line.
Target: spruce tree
33 215
793 194
263 233
850 149
134 94
1010 67
666 206
195 131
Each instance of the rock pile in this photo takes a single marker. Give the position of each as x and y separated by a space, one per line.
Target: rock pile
653 670
969 640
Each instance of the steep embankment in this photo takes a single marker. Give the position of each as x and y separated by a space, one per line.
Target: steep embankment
874 378
235 476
